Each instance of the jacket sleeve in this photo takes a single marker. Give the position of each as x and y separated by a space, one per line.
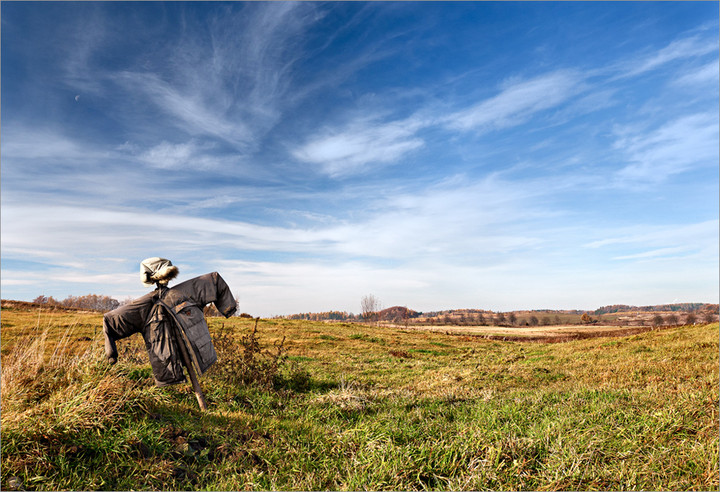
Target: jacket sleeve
224 300
208 288
125 321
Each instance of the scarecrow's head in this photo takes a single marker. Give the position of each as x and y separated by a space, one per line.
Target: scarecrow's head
157 271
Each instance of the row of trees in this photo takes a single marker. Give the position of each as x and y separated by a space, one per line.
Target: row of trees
325 316
94 302
673 319
681 307
511 319
499 319
370 311
91 302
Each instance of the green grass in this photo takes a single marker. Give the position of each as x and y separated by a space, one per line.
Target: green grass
364 408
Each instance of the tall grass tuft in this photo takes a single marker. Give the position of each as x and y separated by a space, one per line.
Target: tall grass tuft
63 390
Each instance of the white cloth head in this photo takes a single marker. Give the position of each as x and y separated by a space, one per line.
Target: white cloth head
157 270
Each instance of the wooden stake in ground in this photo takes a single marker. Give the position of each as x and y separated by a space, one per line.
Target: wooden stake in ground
191 370
186 354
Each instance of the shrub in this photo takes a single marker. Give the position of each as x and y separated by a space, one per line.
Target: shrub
245 362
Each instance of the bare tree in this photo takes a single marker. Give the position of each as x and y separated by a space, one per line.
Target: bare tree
370 305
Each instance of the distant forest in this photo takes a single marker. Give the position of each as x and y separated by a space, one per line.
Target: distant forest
400 314
91 302
685 307
396 314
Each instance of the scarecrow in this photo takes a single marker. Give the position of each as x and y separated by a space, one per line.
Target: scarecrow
172 323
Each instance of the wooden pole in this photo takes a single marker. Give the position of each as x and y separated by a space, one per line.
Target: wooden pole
191 371
187 362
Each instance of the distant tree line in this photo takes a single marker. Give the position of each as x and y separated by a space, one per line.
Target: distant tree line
92 302
672 319
489 319
325 316
692 313
684 306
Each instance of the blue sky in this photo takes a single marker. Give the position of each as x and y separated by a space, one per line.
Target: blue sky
437 155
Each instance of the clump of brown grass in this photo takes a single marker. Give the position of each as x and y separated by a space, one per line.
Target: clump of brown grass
244 361
52 389
347 397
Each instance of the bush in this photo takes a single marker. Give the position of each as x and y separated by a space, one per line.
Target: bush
245 362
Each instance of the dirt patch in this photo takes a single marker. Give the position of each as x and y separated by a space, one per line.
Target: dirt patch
546 334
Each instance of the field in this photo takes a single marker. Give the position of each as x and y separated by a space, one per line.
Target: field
352 406
545 334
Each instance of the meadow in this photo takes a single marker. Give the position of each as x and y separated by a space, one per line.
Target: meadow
349 407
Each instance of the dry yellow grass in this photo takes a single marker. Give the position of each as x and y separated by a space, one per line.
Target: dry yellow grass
386 408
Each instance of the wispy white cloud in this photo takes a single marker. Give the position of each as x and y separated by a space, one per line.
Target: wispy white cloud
79 71
358 146
187 110
229 78
596 99
258 48
403 244
702 76
272 287
440 216
73 228
459 218
660 242
354 149
183 156
518 102
439 248
678 146
657 253
369 141
689 47
169 156
45 144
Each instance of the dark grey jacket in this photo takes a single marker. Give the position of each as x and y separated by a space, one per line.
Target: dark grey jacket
164 312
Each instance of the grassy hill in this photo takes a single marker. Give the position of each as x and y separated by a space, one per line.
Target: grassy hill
347 406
